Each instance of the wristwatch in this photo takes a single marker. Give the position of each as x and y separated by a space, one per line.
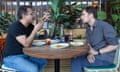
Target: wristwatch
98 52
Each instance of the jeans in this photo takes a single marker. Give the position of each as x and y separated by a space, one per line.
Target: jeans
80 62
24 63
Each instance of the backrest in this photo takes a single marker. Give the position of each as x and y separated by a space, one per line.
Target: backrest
117 55
2 43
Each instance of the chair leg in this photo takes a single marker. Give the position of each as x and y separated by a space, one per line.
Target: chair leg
116 70
0 59
42 70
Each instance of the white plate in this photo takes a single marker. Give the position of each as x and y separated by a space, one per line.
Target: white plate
38 43
76 43
59 45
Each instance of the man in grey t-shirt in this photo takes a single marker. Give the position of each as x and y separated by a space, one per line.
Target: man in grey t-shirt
101 38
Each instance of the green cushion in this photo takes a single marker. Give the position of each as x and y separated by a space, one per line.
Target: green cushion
101 67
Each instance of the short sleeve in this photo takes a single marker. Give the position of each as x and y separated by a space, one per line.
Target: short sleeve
110 35
17 30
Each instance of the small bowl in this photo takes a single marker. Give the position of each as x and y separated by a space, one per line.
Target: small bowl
76 43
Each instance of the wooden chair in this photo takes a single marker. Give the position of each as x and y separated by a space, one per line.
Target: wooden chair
2 43
7 69
3 68
111 68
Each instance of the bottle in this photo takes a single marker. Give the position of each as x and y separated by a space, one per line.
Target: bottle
61 31
71 36
62 40
45 34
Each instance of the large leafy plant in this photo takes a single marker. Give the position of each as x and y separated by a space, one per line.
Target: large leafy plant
55 7
5 21
115 5
65 14
116 21
101 15
69 14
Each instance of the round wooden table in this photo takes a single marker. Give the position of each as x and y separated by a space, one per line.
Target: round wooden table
56 54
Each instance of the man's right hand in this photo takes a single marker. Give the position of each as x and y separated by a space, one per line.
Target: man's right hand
39 26
41 21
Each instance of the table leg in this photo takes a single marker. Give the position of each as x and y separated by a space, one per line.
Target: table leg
57 65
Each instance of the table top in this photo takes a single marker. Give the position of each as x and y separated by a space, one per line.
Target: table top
50 53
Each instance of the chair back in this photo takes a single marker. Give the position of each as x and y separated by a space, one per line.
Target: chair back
2 43
117 55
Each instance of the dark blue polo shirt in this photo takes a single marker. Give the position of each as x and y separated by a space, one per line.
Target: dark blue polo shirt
103 34
12 46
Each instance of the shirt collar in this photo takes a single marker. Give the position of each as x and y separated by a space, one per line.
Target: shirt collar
95 24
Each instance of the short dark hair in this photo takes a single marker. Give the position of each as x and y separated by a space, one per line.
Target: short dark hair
91 9
22 10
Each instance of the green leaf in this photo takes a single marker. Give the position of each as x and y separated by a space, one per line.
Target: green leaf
5 21
114 17
52 29
56 6
101 15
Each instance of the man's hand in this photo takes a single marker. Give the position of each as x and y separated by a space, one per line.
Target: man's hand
91 54
39 26
92 51
91 58
46 16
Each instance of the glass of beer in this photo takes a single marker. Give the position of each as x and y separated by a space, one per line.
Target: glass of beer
48 41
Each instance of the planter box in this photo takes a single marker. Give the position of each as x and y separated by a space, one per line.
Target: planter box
76 32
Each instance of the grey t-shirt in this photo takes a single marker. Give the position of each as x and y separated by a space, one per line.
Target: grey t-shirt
103 34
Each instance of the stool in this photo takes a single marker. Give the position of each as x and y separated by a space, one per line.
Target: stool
7 69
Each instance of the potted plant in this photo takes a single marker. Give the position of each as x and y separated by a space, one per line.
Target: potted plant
5 21
55 7
65 14
115 5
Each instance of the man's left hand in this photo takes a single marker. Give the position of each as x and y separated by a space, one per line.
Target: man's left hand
91 58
